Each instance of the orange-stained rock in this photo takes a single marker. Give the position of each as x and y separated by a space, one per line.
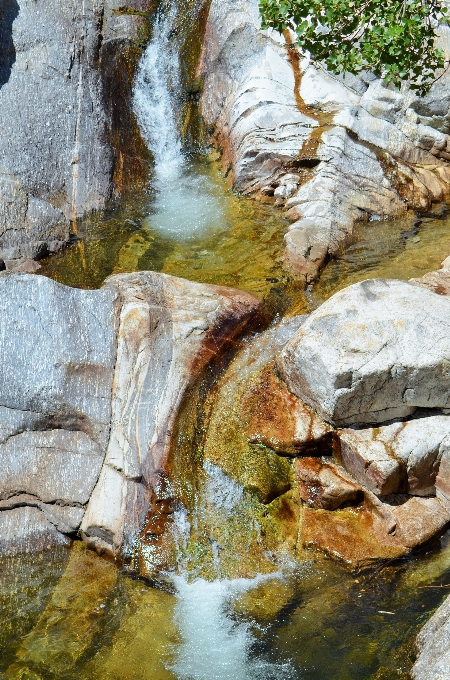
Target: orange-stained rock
374 530
281 421
324 485
437 281
356 536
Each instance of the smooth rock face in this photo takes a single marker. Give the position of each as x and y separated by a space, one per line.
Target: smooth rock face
57 144
374 529
26 529
375 351
169 330
53 466
433 647
57 357
397 458
357 149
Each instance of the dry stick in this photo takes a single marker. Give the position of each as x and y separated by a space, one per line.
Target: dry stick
447 585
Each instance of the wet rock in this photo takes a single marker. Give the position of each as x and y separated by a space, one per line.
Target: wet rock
401 457
60 144
357 537
433 647
358 149
84 374
168 332
325 485
281 421
418 520
374 530
364 357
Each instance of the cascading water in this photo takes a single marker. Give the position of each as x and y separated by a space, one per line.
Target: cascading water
214 647
154 94
186 201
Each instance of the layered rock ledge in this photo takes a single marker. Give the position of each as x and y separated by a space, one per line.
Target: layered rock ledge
329 151
90 387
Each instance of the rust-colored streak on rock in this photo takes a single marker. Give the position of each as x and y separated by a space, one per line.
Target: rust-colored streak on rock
324 485
294 60
281 421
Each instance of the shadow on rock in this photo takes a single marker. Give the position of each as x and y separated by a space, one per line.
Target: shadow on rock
9 10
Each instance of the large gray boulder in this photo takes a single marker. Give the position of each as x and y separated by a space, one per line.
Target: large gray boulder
90 387
58 109
375 351
433 646
57 357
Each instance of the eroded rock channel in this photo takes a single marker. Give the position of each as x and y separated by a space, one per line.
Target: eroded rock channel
184 400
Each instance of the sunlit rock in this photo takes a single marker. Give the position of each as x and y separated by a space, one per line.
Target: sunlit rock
325 485
401 457
86 374
375 351
281 421
66 75
169 330
433 647
57 356
360 149
374 530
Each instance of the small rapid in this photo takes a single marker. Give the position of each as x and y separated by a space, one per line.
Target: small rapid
186 202
214 646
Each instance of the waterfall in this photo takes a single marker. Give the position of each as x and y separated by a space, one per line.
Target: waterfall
214 646
154 97
187 201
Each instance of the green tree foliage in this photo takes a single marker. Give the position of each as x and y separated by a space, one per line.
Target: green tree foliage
396 39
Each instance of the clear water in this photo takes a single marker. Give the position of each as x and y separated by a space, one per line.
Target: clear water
316 622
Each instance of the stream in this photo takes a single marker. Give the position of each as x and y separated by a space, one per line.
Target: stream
232 611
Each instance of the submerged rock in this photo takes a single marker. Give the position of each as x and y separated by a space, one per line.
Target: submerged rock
375 351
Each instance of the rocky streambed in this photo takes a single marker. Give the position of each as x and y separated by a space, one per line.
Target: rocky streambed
272 453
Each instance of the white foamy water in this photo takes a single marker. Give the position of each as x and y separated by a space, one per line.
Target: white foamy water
214 646
187 202
153 102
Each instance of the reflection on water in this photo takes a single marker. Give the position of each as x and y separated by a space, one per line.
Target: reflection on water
316 623
397 249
